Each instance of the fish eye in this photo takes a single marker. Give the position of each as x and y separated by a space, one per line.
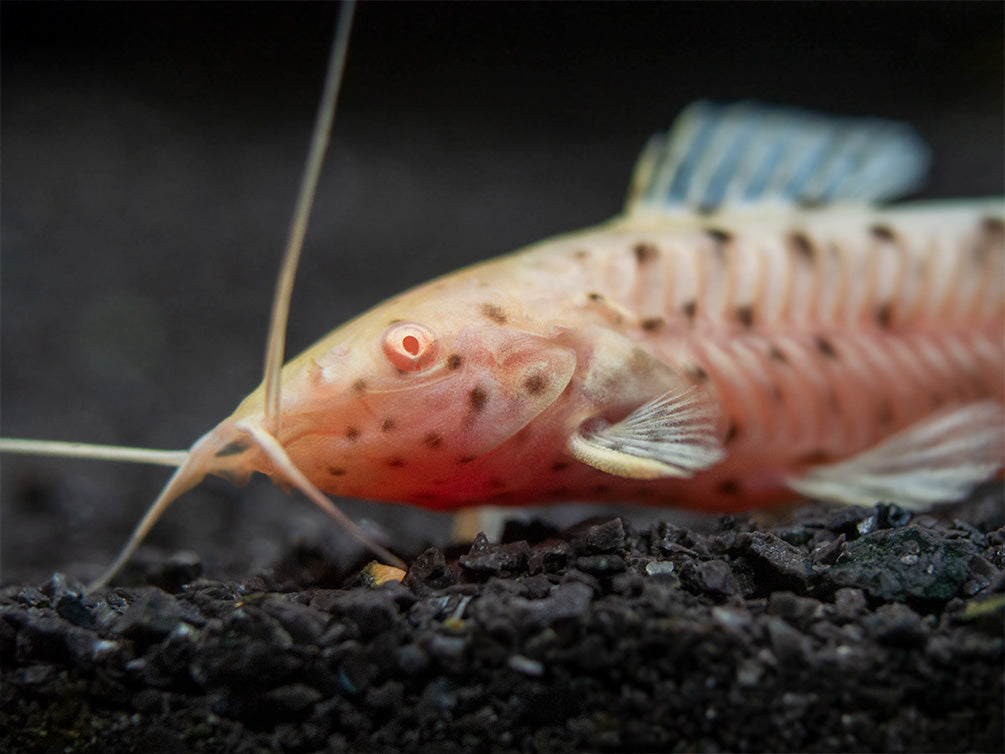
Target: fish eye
410 346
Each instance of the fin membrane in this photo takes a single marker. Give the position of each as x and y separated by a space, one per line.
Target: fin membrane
937 460
746 153
672 436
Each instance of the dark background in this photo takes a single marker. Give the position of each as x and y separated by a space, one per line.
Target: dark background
151 155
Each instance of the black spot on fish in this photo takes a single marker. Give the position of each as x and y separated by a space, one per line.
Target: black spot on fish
651 324
990 239
557 492
645 253
581 254
824 346
495 313
884 415
729 487
454 361
477 399
593 296
719 235
466 459
601 489
234 448
745 315
535 383
639 362
396 462
814 457
697 372
802 246
337 471
731 432
884 315
432 440
777 355
560 466
993 226
689 309
388 425
352 434
359 385
883 233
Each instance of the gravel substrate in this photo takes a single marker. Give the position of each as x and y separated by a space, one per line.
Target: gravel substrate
841 629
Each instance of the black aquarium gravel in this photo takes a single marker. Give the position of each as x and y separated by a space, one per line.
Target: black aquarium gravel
839 629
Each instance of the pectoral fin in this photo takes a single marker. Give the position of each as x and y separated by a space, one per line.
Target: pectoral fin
936 460
673 436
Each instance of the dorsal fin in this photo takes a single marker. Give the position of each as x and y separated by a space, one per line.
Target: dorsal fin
718 156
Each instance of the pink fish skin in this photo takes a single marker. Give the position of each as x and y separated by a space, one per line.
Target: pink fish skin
720 345
800 338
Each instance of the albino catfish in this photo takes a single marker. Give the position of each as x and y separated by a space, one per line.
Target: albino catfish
752 328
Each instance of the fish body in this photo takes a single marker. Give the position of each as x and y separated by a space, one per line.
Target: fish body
719 345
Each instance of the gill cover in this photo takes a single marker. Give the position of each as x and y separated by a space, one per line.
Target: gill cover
497 381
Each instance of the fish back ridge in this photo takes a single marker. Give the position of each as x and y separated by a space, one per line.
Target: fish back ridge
921 268
824 329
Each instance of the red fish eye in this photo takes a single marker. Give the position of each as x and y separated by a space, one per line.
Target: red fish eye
410 346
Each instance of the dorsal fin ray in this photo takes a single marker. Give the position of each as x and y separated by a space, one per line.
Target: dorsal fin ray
725 156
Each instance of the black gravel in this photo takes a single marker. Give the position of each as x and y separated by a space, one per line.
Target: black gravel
839 629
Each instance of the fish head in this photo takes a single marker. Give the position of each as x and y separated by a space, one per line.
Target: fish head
403 394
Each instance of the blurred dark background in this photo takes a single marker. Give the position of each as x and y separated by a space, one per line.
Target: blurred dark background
151 154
